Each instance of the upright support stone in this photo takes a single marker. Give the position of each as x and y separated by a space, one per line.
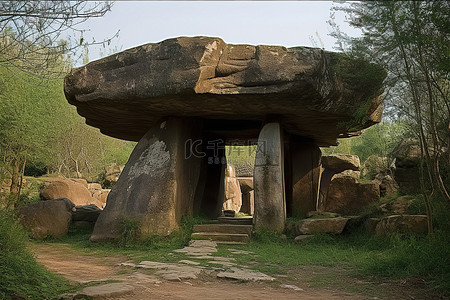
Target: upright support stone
305 160
157 186
270 206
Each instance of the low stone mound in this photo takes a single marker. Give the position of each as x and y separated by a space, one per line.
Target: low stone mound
401 224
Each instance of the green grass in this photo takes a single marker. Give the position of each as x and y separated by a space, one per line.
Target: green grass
20 274
394 257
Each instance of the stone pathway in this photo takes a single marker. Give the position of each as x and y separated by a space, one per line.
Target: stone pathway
185 269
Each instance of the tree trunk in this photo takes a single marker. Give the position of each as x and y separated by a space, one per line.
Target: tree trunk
15 177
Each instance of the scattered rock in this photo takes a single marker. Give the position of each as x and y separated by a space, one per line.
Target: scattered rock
87 213
245 275
291 287
104 291
189 262
311 226
199 248
402 224
302 238
169 271
341 162
47 218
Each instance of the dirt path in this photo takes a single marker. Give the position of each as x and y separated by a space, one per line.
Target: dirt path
78 268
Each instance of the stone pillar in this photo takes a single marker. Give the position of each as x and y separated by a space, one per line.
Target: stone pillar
233 195
305 177
157 186
270 206
248 199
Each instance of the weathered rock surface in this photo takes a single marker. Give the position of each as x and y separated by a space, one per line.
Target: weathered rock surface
311 226
388 186
245 275
47 218
233 195
127 93
199 248
169 271
157 186
398 206
346 195
402 224
75 190
104 291
270 209
87 213
341 162
112 173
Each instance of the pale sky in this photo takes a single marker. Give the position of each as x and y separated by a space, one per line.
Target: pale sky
286 23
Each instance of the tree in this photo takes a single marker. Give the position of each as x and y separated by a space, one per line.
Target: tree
36 34
410 40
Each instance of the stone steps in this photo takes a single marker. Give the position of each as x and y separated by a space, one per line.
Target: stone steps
236 221
229 238
224 228
224 233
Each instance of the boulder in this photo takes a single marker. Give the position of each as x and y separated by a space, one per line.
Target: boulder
81 180
129 92
399 206
233 195
402 224
311 226
346 195
76 191
112 173
87 213
47 218
341 162
270 209
94 186
388 186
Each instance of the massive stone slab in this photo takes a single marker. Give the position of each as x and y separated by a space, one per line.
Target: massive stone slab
268 179
318 94
157 186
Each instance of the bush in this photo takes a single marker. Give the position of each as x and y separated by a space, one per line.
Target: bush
20 274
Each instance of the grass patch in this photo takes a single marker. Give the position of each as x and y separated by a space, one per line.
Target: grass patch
395 256
20 274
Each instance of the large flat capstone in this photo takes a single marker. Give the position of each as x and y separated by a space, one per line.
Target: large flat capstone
316 94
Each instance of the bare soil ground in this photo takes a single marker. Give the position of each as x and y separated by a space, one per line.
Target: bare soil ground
315 282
